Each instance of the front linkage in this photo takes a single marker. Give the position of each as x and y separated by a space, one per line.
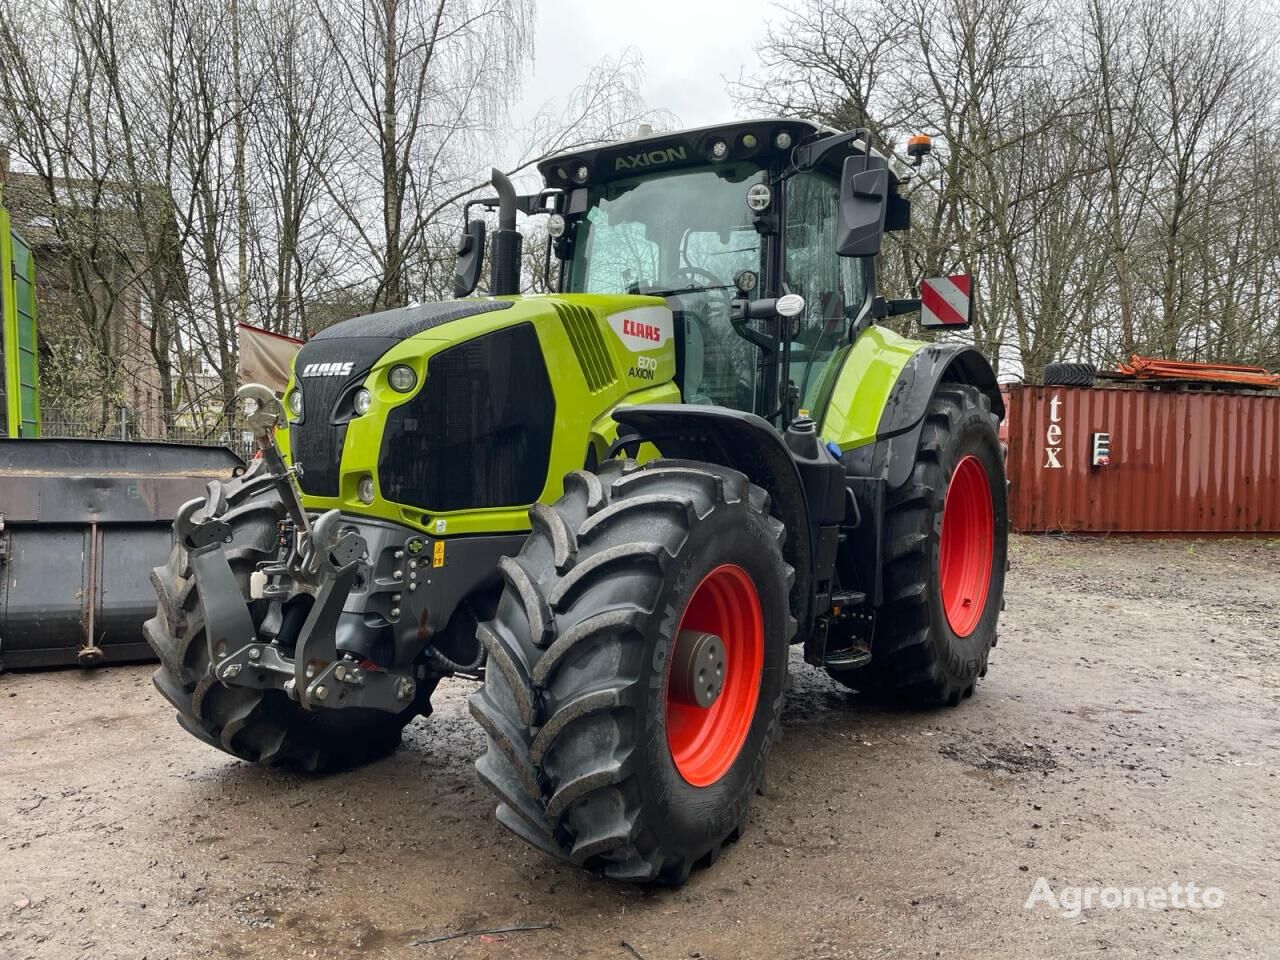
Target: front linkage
322 559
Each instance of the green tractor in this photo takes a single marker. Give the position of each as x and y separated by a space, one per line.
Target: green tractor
616 506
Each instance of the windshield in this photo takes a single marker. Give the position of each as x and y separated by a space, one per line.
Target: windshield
681 236
667 234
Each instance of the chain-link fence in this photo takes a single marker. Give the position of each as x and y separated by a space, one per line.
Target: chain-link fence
121 423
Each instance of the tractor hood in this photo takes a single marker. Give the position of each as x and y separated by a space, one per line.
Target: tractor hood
335 362
353 345
470 429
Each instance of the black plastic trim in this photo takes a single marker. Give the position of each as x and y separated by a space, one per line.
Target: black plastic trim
404 322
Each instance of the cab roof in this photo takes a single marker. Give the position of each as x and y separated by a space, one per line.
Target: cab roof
753 140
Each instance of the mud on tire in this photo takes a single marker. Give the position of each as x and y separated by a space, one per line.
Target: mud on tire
255 725
575 691
917 657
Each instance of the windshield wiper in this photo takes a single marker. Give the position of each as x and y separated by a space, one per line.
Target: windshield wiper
676 291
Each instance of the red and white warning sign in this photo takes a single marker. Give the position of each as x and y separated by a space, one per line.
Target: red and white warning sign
946 301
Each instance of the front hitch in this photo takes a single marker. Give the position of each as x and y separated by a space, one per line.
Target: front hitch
322 561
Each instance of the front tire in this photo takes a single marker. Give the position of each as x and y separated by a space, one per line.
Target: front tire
946 545
597 750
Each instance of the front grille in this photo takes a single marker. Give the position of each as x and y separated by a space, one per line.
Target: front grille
583 330
478 433
316 440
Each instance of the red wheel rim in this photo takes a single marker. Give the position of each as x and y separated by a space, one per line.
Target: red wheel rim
967 546
704 741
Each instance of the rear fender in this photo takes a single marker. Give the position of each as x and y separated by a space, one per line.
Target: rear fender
893 453
885 464
751 445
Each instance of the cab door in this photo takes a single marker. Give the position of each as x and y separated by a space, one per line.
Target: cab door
834 288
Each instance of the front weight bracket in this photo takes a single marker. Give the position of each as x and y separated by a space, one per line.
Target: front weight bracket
227 624
334 560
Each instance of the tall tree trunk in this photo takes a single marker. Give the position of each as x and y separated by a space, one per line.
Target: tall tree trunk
392 193
242 193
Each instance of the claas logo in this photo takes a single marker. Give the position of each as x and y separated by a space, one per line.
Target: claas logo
335 369
645 331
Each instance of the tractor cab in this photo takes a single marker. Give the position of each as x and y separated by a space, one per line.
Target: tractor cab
720 221
724 222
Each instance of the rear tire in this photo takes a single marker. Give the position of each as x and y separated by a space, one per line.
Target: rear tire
942 595
261 726
584 732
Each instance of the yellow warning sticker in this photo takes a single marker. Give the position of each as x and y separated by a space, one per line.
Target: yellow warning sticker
437 554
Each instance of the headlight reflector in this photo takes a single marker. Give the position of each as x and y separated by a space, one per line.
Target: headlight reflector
364 489
295 402
362 401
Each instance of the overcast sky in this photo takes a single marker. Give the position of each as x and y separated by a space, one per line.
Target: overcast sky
688 47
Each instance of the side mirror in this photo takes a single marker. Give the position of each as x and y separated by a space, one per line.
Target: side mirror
864 198
466 272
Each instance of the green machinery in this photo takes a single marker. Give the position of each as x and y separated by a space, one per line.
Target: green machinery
19 375
616 506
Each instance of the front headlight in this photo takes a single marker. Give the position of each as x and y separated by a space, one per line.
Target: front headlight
362 401
364 489
295 402
402 378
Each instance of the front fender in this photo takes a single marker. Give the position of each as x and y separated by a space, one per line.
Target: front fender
748 444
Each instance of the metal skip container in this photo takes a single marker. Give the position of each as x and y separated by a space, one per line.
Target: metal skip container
1139 460
82 522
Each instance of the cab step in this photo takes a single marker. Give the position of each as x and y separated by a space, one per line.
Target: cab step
849 658
848 598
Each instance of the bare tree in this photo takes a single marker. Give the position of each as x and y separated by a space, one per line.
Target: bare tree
423 76
289 163
1103 167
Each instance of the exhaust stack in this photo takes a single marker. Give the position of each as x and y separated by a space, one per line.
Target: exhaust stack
505 250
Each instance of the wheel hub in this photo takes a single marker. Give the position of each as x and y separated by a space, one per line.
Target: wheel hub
698 668
966 547
713 678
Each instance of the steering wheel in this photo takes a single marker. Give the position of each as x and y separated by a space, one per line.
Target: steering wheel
700 327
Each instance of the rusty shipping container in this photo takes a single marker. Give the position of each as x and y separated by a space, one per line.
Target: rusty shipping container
1112 459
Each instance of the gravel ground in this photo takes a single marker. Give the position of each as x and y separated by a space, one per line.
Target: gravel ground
1126 736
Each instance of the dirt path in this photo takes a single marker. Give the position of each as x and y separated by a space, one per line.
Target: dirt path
1127 736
